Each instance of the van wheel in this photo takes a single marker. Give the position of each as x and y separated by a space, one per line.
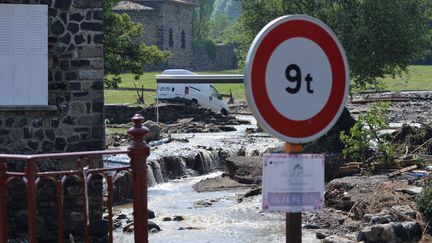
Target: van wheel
224 112
194 102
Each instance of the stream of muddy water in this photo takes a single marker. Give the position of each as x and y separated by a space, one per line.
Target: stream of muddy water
223 219
209 216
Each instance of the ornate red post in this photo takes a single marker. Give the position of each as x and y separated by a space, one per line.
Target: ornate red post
138 153
3 208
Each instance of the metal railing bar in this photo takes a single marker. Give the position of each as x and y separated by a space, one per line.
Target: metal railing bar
61 155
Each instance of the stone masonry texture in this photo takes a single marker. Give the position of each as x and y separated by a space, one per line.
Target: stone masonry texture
74 122
168 25
160 18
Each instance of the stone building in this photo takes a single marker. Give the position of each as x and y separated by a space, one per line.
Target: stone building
167 24
51 65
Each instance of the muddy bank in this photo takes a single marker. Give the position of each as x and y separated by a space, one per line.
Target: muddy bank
173 119
168 113
223 182
371 209
357 208
406 107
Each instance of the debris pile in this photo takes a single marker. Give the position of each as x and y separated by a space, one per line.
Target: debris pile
413 140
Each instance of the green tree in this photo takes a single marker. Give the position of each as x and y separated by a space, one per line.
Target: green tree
201 20
380 37
222 29
231 8
122 53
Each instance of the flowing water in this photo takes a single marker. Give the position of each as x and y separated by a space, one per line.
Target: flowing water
225 220
207 146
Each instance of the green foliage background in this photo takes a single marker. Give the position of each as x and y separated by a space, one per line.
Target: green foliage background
201 18
121 52
380 37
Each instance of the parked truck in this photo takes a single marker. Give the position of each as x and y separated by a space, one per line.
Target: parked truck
202 94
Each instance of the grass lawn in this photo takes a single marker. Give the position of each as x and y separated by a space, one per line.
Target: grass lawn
418 78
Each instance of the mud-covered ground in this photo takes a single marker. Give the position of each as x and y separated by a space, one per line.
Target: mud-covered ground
406 107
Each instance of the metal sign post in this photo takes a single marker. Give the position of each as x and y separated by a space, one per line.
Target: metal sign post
293 221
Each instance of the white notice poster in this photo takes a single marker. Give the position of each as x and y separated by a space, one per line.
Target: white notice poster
293 182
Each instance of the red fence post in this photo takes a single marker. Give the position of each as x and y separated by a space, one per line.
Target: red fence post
138 153
30 179
59 190
3 198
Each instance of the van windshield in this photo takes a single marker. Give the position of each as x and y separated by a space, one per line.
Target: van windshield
214 92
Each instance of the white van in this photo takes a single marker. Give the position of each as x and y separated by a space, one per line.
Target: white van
202 94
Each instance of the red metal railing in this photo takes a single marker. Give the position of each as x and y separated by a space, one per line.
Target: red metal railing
137 152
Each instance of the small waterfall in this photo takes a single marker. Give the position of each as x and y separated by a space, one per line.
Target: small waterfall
157 172
151 181
210 160
196 162
174 167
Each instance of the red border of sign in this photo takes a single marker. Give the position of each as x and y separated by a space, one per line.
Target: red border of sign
277 35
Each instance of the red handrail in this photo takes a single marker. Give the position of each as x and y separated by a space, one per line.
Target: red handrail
138 152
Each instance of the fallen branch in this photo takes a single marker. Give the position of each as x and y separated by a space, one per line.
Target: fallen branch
428 141
126 228
390 99
351 167
398 172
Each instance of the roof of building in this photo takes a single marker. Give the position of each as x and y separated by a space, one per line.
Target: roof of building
140 5
185 2
130 5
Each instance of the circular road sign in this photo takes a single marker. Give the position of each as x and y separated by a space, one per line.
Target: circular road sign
296 78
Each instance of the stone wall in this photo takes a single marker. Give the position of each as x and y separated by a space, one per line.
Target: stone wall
164 24
73 119
178 18
168 25
224 58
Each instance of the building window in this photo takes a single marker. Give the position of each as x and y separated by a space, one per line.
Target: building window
170 38
183 40
23 54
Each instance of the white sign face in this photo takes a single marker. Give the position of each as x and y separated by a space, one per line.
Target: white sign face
306 78
296 78
293 182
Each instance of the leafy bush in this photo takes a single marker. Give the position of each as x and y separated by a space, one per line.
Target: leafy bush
365 140
424 201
